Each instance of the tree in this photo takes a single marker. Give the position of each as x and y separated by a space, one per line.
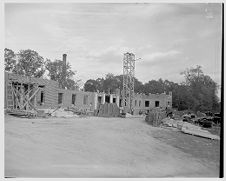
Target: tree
10 61
91 85
100 83
55 70
202 88
30 63
111 83
138 86
154 87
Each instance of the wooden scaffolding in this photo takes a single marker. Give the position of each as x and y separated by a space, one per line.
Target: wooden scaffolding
22 97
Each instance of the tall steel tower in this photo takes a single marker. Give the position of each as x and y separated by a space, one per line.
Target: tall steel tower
128 81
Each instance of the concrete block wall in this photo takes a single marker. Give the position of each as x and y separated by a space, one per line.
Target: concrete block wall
165 100
112 97
79 99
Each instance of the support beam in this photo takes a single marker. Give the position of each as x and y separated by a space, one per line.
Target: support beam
111 98
95 100
103 98
29 98
117 100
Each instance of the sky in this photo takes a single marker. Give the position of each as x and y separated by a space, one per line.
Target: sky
167 37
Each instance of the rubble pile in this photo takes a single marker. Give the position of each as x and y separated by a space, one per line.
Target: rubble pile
61 113
172 123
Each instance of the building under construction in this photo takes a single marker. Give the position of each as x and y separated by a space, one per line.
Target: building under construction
28 93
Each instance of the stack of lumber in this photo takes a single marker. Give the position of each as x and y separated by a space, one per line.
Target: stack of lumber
155 117
197 131
22 113
107 110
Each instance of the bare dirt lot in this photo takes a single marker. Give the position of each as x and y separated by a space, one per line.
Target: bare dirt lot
104 147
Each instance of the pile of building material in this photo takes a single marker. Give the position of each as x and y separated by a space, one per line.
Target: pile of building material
188 128
155 116
57 112
42 114
172 123
200 114
22 113
128 115
197 131
63 114
76 110
107 110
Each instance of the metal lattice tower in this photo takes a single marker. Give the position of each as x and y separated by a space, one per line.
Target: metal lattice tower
128 81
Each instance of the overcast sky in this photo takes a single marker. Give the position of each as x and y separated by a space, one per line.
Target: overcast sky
167 37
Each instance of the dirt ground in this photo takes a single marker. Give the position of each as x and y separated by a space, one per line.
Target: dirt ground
104 147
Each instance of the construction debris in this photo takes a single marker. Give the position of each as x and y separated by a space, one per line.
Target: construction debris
22 113
200 114
197 131
128 115
76 110
172 123
64 114
188 128
107 110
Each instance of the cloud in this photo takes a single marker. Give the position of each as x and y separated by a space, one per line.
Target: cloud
95 36
158 55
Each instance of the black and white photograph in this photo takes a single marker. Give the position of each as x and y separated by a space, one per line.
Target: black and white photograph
113 90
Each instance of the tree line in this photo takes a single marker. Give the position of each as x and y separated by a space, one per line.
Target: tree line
197 92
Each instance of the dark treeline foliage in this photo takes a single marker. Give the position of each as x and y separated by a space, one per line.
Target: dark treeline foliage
30 63
198 92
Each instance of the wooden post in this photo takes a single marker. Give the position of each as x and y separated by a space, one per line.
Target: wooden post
35 97
28 88
13 96
111 98
17 102
21 94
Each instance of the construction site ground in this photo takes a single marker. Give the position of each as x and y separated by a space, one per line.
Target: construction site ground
104 147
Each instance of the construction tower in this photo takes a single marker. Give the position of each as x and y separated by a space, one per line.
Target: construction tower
128 82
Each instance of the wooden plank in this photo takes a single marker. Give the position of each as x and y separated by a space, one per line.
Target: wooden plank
17 100
201 133
29 98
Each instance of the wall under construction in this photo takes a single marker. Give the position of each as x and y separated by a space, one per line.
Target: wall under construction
142 102
80 99
45 98
52 96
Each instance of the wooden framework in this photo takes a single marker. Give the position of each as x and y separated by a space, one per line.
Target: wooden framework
22 95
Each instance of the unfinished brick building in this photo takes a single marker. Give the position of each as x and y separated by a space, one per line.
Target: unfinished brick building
48 94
